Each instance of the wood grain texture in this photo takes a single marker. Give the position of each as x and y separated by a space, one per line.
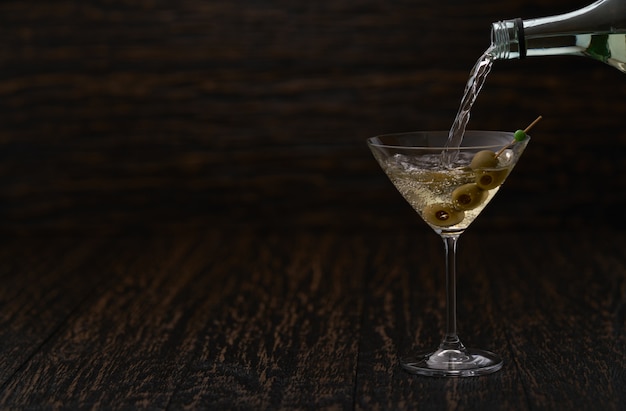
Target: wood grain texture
308 321
154 115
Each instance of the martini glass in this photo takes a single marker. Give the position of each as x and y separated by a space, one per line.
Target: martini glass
448 196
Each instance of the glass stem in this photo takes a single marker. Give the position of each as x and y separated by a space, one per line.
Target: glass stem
451 340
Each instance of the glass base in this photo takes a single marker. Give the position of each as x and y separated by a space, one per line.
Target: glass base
466 362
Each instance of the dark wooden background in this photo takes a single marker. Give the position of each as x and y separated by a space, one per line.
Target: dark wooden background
163 115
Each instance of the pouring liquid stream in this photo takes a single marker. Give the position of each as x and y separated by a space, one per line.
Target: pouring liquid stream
477 78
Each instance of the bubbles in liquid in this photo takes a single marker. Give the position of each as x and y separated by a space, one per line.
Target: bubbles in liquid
430 162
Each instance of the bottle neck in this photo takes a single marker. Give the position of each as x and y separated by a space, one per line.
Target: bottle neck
508 39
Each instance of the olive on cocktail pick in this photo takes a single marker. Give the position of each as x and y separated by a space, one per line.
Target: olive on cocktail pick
489 179
485 162
484 159
489 159
442 215
468 196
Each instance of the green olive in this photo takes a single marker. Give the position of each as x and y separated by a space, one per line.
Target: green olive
442 215
490 179
468 196
484 159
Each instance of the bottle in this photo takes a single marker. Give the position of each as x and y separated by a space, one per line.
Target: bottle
597 31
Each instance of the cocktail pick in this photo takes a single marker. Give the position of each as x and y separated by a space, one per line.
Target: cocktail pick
519 135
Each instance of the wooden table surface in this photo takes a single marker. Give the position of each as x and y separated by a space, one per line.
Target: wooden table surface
308 321
190 217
